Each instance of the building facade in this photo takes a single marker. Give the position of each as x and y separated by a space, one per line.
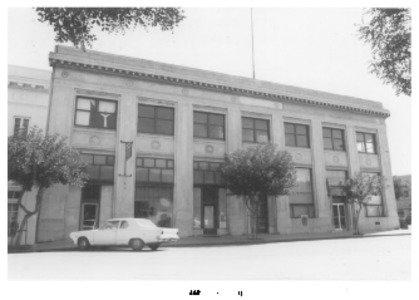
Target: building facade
27 104
154 135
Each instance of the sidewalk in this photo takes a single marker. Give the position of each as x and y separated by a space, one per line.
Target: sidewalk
202 241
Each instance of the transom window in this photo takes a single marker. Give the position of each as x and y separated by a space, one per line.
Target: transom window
333 139
154 170
99 166
335 180
95 113
301 197
21 126
296 135
255 130
208 125
206 172
365 142
155 119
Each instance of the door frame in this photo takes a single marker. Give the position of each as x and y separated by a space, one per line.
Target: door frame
210 202
345 211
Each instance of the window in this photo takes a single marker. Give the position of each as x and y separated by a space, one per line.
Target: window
296 135
374 206
154 170
154 203
124 225
335 180
208 125
12 213
21 126
301 198
99 167
206 172
255 130
95 113
333 139
365 142
155 119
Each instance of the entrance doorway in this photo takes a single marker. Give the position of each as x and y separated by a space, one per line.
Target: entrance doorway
209 211
90 199
262 220
339 216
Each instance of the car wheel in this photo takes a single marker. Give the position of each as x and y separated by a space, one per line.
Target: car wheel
136 244
155 246
83 243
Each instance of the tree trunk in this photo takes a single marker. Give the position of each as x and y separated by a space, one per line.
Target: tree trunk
18 234
357 212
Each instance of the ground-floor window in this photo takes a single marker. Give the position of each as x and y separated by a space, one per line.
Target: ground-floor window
301 197
12 222
374 207
154 203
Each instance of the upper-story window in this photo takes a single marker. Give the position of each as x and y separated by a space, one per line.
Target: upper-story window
208 125
21 126
95 113
297 135
365 142
255 130
333 139
155 119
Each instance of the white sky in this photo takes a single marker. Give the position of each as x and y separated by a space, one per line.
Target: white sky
314 48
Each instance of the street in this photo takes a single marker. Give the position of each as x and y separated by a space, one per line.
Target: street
372 258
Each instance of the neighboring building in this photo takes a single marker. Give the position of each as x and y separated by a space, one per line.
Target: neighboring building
404 202
28 96
182 122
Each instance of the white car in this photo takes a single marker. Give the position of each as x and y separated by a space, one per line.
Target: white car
132 232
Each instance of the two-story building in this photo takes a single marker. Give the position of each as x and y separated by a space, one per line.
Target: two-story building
27 104
154 135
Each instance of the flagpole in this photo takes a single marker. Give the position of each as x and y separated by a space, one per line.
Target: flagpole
253 44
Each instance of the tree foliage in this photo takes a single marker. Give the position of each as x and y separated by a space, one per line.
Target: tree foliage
388 32
258 171
38 161
358 192
76 24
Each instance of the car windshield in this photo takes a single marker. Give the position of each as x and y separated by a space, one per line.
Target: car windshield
109 225
145 223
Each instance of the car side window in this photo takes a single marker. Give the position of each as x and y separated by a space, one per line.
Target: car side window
124 225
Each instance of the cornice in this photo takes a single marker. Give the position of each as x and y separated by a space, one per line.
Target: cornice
213 87
28 86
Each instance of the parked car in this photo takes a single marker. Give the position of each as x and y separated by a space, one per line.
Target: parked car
133 232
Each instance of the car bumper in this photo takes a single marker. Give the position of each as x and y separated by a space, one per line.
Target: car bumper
168 240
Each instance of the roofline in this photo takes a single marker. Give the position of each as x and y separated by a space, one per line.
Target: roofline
95 61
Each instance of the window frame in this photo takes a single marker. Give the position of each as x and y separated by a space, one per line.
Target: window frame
85 110
155 119
169 165
332 139
292 214
21 128
254 129
109 162
364 142
208 125
382 212
312 204
295 134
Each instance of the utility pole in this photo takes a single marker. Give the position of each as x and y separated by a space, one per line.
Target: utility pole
253 44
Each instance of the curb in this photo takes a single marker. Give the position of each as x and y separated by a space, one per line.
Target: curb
217 244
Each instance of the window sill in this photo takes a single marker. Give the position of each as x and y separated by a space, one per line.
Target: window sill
90 129
201 139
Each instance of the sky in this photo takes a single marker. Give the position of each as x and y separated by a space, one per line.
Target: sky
315 48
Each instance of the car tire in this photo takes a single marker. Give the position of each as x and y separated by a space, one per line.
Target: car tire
154 246
136 244
83 243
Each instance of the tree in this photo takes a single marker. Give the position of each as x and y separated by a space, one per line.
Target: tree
358 191
75 24
37 161
388 32
257 172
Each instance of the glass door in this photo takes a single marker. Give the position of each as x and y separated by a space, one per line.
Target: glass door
339 216
209 210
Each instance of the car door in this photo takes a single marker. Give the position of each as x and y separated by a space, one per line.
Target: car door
124 232
106 234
